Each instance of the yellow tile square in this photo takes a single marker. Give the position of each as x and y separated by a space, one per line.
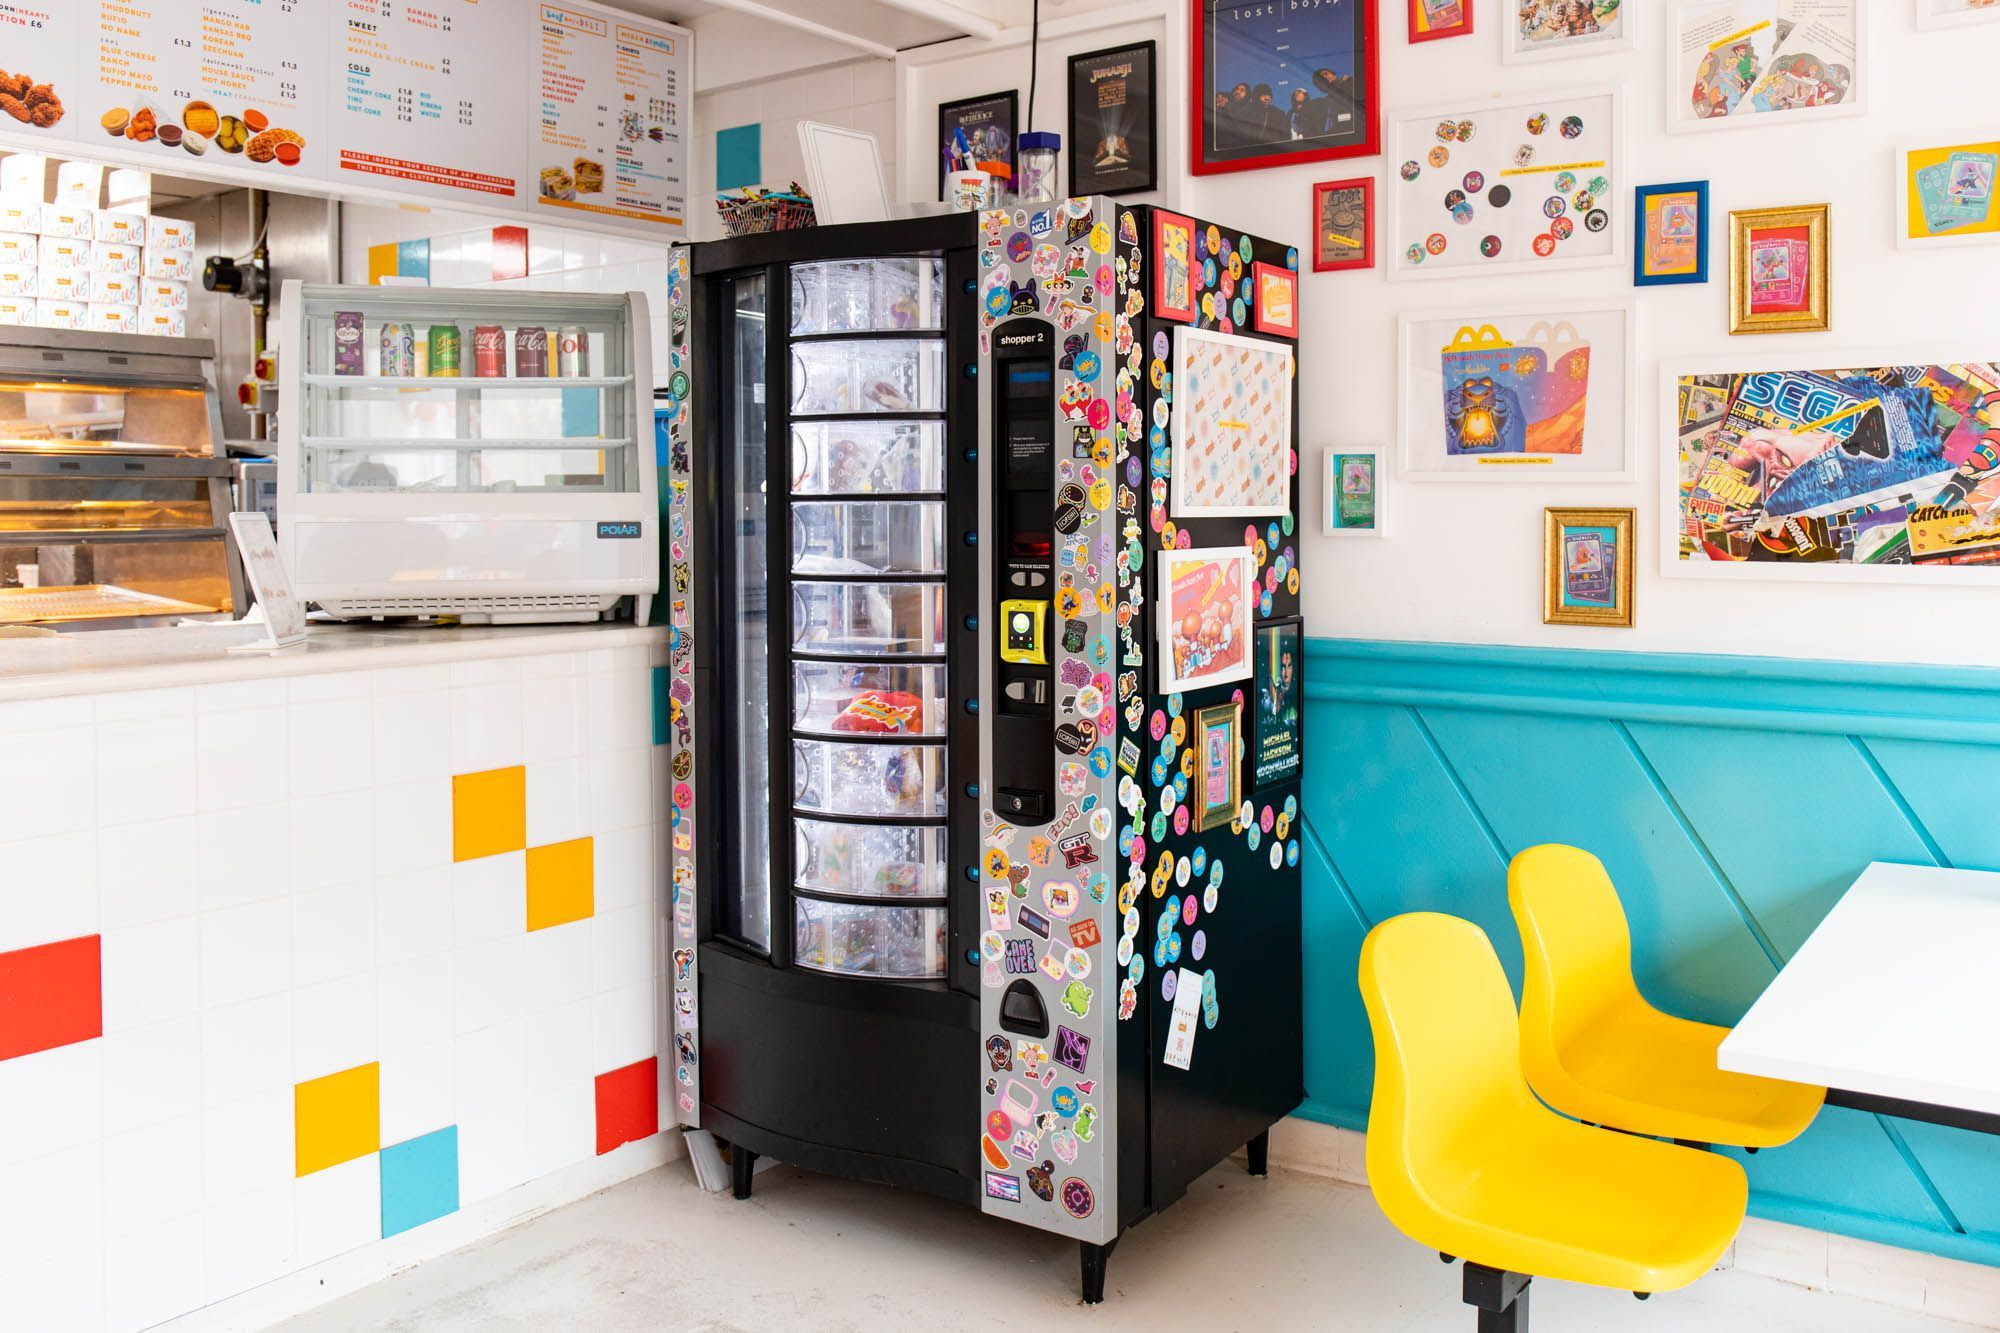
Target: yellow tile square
562 883
489 813
337 1118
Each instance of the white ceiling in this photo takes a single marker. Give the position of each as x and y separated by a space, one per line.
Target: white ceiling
883 22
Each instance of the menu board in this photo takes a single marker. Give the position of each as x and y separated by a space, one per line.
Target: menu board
608 135
416 106
510 105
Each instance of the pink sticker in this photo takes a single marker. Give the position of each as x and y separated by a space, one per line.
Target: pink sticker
1180 820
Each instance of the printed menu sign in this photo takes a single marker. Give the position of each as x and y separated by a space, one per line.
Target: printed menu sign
230 78
427 90
609 134
513 105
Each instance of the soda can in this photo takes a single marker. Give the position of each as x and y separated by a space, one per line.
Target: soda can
531 351
572 352
445 344
399 350
347 358
489 351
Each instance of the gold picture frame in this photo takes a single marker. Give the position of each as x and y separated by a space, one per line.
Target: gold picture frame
1582 584
1776 298
1208 811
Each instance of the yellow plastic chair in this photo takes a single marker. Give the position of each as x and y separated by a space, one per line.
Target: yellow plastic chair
1591 1045
1463 1159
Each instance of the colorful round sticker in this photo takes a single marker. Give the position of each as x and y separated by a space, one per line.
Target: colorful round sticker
1571 126
1438 156
1489 246
1475 181
1410 171
1499 196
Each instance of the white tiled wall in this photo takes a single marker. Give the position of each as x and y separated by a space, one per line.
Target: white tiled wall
559 259
269 864
860 95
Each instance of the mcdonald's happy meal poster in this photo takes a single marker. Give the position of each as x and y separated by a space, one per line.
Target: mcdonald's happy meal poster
1532 395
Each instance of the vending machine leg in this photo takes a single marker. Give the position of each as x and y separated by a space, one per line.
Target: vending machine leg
1258 1150
742 1162
1094 1259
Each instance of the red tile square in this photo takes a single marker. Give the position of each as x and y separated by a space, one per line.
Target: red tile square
628 1104
510 253
51 995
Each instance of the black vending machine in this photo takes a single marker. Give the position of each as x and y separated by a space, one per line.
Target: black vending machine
985 704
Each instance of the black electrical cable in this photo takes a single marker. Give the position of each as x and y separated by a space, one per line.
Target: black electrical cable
1034 57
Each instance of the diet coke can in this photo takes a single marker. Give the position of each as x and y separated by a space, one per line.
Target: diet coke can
399 349
572 352
489 351
531 351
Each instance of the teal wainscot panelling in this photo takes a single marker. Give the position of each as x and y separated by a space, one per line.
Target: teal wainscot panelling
1733 800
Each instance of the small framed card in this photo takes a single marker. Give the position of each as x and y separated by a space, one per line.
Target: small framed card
1588 574
1218 741
1351 484
1777 270
1344 224
1670 243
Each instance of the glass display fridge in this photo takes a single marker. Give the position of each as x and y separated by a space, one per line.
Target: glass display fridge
480 454
907 556
114 496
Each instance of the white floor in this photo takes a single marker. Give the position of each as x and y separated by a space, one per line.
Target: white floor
1291 1251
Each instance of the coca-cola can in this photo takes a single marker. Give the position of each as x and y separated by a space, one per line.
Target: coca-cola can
572 351
399 349
489 351
531 351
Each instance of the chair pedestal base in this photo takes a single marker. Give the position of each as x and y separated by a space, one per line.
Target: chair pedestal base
1500 1297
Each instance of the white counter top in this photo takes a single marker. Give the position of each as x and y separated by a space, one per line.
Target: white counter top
101 661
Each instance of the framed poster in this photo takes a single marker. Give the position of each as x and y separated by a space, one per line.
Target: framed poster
1740 62
1274 299
1351 484
979 132
1532 183
1552 29
1946 195
1778 270
1206 595
1534 395
1276 85
1877 467
1955 13
1112 143
1173 265
1344 224
1587 574
1280 718
1429 20
1670 243
1232 425
1218 774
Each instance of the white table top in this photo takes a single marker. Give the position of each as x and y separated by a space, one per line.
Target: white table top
1896 994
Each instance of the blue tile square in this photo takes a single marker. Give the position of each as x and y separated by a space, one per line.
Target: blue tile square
419 1180
413 261
739 153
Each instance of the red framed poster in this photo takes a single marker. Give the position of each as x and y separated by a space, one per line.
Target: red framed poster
1281 84
1430 20
1275 299
1173 265
1343 225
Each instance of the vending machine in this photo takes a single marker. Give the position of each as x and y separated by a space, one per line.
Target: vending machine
985 724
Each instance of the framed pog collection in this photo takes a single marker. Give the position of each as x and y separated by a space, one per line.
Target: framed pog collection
1540 394
1533 183
1741 62
1865 468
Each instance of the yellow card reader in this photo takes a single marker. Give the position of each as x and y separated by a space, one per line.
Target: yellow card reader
1023 626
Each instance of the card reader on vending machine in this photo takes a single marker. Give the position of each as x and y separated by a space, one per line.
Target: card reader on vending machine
1024 416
